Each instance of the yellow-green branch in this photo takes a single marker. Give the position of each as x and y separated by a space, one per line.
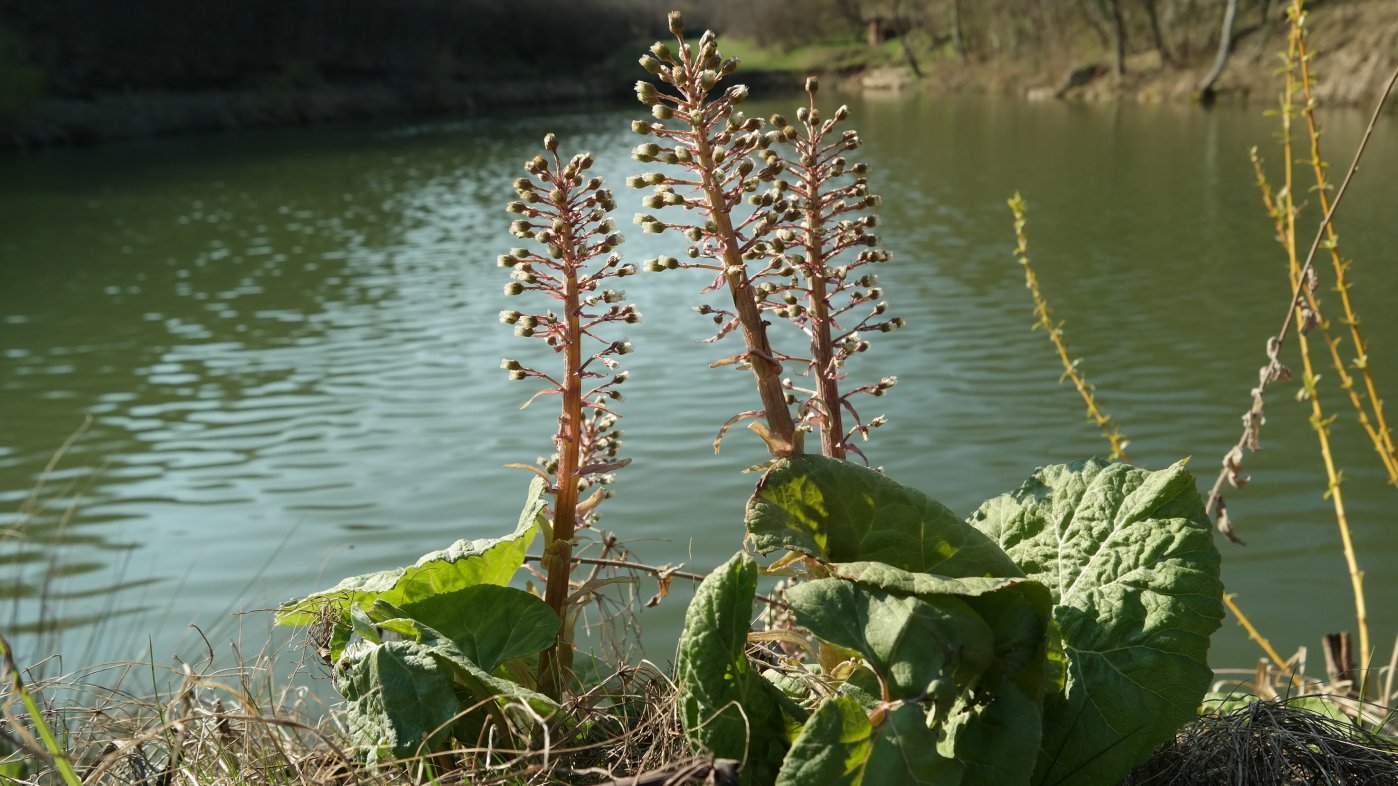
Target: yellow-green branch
1104 421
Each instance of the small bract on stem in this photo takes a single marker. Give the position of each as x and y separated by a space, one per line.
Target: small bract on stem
815 260
712 142
565 214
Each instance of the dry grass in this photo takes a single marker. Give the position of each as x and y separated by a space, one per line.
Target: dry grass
236 726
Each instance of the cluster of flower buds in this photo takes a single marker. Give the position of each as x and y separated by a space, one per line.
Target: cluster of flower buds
817 208
711 140
697 128
572 261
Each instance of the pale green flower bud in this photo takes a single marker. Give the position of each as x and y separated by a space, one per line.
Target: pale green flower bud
660 50
645 93
676 22
662 112
650 64
738 94
550 142
812 85
514 288
509 317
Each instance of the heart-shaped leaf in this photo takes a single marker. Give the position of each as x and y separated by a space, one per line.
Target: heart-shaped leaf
1130 559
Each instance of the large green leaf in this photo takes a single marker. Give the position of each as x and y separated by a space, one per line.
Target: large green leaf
488 695
995 730
841 512
995 727
727 708
1129 557
400 700
839 746
926 649
906 582
905 753
832 749
464 563
489 623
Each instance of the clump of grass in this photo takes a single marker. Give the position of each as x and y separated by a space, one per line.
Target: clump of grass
1272 742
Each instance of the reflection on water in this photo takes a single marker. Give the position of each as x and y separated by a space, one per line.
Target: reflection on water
288 346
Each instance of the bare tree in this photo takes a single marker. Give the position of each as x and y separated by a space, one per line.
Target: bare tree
1118 34
1225 47
1157 35
905 26
958 36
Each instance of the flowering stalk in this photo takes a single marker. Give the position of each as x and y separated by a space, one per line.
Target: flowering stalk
566 217
814 258
712 142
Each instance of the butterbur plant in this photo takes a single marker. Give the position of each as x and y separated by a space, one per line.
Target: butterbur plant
818 250
791 250
445 650
565 215
1056 636
700 130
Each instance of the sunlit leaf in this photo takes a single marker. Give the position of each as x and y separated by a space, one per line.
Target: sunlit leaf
463 564
842 512
1129 557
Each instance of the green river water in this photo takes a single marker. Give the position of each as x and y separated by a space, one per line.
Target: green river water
288 347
